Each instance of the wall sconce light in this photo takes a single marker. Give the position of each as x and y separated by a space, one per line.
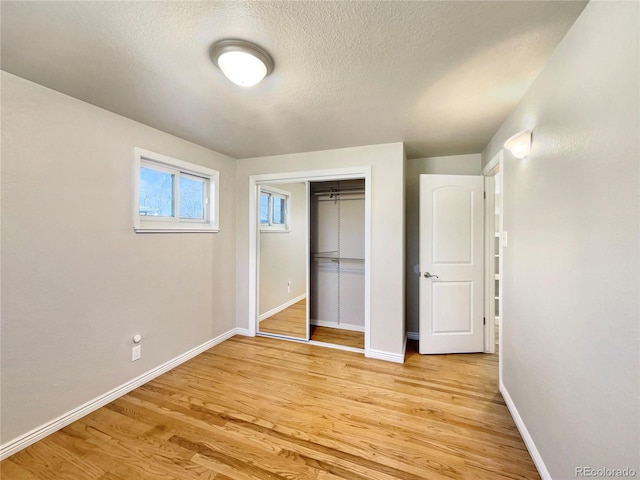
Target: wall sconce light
519 144
242 62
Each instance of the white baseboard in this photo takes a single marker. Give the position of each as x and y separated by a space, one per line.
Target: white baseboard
244 332
38 433
280 308
522 428
340 326
413 335
387 356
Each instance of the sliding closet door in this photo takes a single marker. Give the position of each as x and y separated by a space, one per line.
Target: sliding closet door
283 260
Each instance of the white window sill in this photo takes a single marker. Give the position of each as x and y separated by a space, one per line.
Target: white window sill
176 229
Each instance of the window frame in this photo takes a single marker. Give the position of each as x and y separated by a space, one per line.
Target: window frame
164 163
275 192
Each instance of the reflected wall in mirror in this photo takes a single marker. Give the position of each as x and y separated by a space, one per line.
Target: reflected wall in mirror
283 227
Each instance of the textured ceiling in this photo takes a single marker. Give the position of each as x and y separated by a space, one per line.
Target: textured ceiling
440 76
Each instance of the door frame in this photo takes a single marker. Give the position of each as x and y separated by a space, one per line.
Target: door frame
363 172
495 166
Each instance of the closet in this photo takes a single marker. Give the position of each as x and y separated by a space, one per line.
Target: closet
337 267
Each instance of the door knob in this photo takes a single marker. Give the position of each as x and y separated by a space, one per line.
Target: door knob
428 275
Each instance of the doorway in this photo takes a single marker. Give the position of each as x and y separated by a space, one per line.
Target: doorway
495 240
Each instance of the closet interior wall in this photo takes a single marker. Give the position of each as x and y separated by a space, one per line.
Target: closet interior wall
337 219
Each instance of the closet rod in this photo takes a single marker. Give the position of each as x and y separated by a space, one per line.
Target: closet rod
359 191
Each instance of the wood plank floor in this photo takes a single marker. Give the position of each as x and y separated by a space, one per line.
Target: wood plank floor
337 336
263 408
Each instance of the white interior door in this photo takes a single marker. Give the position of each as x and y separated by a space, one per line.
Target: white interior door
451 263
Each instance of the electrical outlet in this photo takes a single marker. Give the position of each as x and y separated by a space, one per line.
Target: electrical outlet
136 353
289 286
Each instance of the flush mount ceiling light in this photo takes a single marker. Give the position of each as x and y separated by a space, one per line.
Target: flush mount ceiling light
242 62
519 144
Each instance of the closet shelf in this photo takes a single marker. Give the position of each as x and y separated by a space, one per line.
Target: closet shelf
334 258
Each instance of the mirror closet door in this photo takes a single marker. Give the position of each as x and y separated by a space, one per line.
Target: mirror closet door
337 220
283 259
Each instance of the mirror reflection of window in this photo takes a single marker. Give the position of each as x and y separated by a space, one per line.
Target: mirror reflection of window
264 208
278 210
274 209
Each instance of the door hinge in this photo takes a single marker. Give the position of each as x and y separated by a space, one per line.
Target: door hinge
484 320
485 194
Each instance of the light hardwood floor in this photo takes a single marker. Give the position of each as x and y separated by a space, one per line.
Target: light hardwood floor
262 408
337 336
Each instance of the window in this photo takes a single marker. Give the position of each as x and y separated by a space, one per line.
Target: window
173 196
274 209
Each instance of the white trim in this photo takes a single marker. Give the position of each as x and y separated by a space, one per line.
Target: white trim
524 433
282 307
489 265
495 165
183 228
413 335
306 176
387 356
38 433
339 326
489 168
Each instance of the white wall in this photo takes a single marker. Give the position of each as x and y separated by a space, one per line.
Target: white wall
571 270
387 230
451 165
77 282
283 255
